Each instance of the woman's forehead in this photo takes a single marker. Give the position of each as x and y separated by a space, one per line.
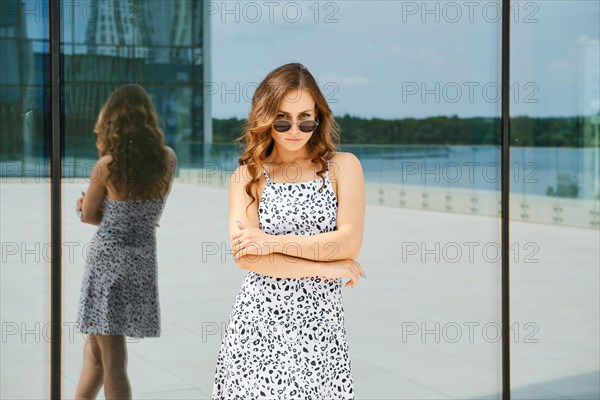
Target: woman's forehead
297 100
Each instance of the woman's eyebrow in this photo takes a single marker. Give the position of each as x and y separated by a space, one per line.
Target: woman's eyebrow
301 112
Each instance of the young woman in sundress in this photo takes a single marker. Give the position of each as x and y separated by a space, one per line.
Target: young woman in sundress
126 195
296 217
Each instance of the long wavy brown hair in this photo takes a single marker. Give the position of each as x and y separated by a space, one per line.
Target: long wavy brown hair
127 129
256 138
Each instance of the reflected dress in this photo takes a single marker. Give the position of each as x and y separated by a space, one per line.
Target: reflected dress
119 293
286 338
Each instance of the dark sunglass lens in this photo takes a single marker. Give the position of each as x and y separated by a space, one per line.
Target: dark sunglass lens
307 126
282 126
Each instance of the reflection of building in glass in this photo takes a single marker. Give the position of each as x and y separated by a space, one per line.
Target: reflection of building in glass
169 37
129 29
21 99
160 44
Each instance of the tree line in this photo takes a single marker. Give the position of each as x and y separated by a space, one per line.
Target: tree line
443 130
526 131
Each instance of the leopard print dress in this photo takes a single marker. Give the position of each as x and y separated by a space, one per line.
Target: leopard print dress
286 338
119 294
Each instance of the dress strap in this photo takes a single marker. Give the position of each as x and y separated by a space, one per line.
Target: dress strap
328 167
266 176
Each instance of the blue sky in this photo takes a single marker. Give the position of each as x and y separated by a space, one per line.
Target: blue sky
393 59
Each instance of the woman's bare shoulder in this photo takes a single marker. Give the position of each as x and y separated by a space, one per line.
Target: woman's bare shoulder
103 163
346 161
241 175
171 153
237 185
105 160
100 172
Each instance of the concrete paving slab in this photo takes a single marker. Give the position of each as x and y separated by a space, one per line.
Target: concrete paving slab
421 326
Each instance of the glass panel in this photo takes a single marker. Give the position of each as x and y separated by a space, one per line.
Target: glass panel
555 201
415 88
157 44
24 198
416 95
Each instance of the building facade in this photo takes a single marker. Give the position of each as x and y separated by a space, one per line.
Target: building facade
162 45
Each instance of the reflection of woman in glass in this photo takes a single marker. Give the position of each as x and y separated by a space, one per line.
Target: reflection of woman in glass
296 217
126 196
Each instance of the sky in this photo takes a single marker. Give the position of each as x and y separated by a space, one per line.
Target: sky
397 59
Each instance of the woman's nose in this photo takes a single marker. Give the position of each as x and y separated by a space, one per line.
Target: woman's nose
294 128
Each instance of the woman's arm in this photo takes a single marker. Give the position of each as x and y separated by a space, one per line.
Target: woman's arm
343 243
275 264
171 168
91 204
281 266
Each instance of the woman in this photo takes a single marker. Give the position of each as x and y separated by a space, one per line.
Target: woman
296 217
126 196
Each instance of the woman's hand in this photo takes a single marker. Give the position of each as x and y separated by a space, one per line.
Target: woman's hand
251 241
343 269
79 209
78 205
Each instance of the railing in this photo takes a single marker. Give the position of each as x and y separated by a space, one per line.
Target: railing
548 185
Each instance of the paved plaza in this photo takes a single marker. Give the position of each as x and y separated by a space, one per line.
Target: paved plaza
422 326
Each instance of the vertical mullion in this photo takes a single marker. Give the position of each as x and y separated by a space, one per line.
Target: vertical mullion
54 24
505 195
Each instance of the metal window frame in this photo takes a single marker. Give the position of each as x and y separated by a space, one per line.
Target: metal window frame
505 197
57 125
56 122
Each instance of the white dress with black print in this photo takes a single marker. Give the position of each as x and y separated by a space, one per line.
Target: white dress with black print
286 338
119 294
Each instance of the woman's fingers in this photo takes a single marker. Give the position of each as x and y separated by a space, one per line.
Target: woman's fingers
240 253
356 269
240 250
353 277
236 242
240 233
359 269
235 248
243 249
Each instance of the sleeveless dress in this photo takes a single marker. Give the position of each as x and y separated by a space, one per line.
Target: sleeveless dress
286 338
119 294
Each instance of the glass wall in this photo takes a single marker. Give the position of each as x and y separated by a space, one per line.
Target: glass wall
24 200
159 45
415 87
555 130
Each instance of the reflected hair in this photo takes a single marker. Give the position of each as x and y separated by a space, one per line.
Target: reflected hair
127 130
256 137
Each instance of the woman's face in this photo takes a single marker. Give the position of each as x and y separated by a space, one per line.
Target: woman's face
296 106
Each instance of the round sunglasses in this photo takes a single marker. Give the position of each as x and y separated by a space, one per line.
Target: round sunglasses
304 126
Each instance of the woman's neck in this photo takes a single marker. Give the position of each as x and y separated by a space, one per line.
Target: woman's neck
282 156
